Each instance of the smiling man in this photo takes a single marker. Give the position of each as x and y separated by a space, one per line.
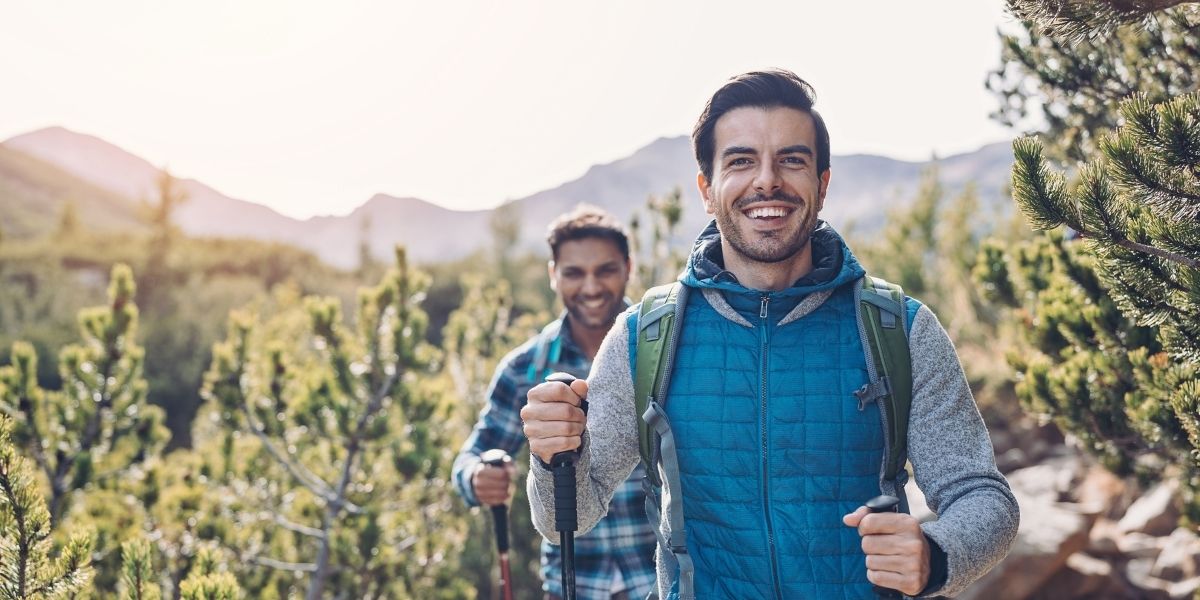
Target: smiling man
589 269
765 438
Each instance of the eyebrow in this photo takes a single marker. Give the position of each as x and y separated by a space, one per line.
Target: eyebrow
793 149
796 149
730 151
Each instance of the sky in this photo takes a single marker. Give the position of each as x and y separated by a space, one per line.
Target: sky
311 108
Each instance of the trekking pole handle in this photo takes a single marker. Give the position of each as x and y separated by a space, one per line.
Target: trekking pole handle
498 458
880 504
563 466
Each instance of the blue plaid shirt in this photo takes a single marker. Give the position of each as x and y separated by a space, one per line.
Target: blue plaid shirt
623 540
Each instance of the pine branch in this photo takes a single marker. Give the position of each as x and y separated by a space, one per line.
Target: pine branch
312 532
272 563
1079 20
1040 193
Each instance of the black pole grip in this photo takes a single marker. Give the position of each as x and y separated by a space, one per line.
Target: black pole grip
880 504
500 519
566 520
498 458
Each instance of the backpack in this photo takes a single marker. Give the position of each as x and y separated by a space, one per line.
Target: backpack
547 350
882 316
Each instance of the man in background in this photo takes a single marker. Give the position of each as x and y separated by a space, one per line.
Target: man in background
589 269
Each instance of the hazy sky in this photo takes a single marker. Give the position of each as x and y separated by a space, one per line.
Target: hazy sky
312 107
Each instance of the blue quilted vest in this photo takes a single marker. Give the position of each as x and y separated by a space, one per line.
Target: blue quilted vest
773 447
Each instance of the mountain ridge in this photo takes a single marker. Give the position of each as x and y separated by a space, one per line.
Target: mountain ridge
863 187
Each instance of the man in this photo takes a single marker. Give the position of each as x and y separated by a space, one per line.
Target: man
775 453
589 270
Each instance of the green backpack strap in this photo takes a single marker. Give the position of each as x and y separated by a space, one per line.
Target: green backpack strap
884 321
655 345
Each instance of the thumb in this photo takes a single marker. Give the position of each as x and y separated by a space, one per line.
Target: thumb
854 518
580 387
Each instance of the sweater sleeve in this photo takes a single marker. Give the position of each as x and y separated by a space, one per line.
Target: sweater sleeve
610 441
953 462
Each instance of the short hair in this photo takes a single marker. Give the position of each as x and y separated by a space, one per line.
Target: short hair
586 221
760 89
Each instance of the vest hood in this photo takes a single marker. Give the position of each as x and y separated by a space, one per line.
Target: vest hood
833 264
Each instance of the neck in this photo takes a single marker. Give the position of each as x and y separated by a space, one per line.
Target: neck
587 338
767 277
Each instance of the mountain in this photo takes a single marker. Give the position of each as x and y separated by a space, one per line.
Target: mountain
207 212
34 194
863 188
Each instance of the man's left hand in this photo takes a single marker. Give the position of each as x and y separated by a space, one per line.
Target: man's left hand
897 551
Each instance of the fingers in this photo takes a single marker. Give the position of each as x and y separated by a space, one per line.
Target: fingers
897 553
886 523
492 484
853 519
907 583
553 421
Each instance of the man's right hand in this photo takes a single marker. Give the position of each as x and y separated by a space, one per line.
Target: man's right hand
492 483
553 420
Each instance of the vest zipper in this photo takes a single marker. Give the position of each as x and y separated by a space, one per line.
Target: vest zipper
762 313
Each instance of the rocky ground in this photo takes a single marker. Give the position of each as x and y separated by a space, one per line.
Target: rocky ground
1084 533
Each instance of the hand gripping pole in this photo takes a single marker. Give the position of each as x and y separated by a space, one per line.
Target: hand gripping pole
876 505
499 458
566 519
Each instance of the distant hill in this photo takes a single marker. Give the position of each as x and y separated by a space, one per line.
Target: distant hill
862 189
34 193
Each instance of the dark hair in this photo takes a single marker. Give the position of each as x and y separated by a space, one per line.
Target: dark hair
586 221
759 89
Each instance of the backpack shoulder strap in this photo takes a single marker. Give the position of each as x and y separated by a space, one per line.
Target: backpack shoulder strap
883 319
658 323
548 349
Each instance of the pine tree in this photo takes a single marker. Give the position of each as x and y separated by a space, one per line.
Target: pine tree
336 466
1076 86
28 571
1087 19
99 425
656 259
1113 323
479 333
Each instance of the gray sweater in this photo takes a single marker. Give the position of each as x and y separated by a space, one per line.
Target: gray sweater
948 446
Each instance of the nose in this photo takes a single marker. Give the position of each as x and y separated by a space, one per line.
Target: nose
591 285
766 180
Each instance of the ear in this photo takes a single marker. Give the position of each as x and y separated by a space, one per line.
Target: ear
705 187
551 275
822 188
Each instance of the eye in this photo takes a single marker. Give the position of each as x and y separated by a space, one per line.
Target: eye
795 160
740 161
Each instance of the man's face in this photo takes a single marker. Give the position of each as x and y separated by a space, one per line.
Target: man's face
590 276
765 191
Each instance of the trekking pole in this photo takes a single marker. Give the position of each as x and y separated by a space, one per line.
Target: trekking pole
565 518
876 505
499 458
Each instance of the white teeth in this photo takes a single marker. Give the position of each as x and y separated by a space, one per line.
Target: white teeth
766 212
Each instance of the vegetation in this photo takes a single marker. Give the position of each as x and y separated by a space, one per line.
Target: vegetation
1109 349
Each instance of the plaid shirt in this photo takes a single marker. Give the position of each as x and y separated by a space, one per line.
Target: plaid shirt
623 540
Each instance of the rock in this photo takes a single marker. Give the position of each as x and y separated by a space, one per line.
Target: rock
1179 558
1137 571
1102 492
1013 458
1184 589
917 507
1082 577
1053 480
1155 513
1102 539
1049 533
1139 545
